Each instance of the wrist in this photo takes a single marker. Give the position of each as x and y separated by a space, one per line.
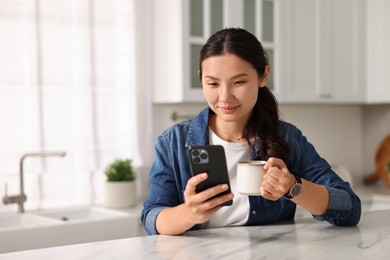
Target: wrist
295 189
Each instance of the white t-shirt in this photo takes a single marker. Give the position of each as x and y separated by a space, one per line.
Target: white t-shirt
236 214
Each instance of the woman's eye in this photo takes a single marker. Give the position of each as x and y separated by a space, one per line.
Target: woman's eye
212 84
239 82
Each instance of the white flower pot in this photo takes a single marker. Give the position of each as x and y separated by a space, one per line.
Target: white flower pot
120 194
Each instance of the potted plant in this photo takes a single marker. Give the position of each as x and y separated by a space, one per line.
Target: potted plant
120 185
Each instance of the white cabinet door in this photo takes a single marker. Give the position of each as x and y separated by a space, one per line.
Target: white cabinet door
321 50
202 19
181 27
378 51
299 53
343 51
168 51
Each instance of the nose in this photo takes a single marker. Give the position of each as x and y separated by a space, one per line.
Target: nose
225 93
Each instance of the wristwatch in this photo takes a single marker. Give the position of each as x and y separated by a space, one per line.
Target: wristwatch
295 190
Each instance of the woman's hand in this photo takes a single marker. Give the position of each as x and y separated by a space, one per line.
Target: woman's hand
277 180
196 209
199 206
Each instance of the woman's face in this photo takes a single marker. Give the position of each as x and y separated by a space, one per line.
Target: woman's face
230 86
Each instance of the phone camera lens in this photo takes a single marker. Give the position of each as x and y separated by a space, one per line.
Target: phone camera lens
195 152
196 160
203 156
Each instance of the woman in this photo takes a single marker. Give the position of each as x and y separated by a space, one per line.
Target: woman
242 117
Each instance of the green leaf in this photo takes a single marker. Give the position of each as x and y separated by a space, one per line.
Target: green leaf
387 169
120 170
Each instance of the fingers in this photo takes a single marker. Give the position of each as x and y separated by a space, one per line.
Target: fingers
201 206
194 181
277 179
207 207
202 201
276 163
206 198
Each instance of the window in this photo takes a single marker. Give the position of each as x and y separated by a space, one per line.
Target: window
67 83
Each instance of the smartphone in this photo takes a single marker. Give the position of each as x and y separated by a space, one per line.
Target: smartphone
210 159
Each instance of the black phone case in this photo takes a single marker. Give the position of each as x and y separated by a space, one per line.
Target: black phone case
210 159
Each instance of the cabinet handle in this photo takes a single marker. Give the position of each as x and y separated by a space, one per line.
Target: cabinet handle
326 95
176 116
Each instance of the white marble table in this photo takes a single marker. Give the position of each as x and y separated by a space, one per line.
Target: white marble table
304 239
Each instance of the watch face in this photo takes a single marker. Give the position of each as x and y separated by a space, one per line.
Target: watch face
296 190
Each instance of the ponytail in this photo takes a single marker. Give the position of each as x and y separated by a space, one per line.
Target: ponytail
264 123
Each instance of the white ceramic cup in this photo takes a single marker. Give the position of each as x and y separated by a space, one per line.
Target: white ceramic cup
250 176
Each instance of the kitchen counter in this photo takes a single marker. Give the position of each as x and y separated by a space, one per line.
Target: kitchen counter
302 239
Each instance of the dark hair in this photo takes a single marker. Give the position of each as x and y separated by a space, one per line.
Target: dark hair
264 120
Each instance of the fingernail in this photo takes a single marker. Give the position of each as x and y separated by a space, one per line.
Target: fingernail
203 175
224 186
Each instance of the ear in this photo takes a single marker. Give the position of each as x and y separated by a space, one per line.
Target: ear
264 79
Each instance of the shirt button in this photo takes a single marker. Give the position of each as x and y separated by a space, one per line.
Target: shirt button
254 213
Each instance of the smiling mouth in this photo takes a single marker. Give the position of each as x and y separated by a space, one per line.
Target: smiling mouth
228 109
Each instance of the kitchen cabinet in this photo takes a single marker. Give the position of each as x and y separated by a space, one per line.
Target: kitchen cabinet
322 46
320 51
334 51
378 52
181 27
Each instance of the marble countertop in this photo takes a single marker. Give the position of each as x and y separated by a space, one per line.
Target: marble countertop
302 239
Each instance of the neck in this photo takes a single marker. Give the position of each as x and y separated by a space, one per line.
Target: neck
229 131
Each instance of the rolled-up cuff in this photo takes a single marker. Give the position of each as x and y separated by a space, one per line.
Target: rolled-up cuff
150 221
340 205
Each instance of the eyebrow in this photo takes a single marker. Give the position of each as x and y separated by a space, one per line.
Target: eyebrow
234 77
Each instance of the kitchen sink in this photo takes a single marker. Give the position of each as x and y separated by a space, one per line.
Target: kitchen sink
82 214
20 221
47 228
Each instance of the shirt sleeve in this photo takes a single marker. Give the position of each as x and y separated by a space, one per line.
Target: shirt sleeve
163 191
344 207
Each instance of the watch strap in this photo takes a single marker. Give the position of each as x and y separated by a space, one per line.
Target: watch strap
298 181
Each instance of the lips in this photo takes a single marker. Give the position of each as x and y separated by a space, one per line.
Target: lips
228 109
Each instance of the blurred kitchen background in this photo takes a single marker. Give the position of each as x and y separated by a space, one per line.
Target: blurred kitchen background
100 79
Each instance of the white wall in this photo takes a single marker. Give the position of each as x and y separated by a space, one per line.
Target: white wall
335 130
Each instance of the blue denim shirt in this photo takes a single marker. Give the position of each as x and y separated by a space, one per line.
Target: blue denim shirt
170 172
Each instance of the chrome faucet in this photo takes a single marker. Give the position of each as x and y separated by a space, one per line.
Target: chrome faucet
21 198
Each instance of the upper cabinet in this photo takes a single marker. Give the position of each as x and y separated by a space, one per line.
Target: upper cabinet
320 51
334 51
378 51
181 27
